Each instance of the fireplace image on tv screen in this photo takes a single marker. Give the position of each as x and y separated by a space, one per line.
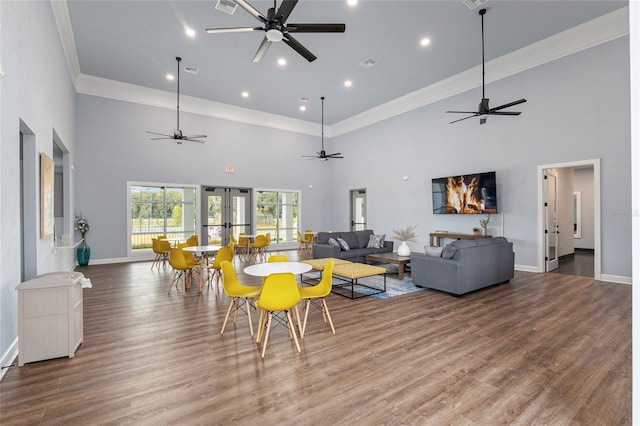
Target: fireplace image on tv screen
465 194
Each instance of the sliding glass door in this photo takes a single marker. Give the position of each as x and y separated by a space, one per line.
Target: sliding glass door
226 211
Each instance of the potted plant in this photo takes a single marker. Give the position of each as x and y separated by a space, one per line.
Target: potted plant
83 252
476 231
405 235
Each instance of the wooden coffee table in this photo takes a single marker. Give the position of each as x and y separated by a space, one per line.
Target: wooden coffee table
391 257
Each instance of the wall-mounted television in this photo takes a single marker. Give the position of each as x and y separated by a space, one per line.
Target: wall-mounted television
465 194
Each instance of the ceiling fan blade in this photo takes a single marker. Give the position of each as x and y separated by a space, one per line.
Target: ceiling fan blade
233 30
158 139
295 45
194 136
462 112
285 10
316 28
189 138
161 134
252 10
471 116
262 50
510 104
505 113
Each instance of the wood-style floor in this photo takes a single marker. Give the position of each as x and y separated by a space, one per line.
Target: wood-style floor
544 349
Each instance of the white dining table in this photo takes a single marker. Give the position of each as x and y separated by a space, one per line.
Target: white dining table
266 269
202 252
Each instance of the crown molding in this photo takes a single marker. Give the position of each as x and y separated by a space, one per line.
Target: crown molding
111 89
584 36
65 30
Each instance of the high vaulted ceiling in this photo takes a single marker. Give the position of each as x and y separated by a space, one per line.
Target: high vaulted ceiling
136 42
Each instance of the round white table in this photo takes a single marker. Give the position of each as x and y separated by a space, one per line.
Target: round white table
202 252
265 269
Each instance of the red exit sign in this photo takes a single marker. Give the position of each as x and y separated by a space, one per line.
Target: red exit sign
229 169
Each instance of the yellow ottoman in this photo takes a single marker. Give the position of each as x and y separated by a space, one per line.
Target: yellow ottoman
319 264
351 272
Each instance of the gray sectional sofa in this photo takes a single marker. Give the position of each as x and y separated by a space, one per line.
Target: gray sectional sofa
464 265
356 240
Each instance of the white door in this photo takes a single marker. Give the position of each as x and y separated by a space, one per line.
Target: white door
551 219
225 211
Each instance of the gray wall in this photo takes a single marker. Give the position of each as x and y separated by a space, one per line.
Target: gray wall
577 109
36 90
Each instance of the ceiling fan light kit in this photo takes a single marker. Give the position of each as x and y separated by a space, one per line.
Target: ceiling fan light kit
483 108
276 29
322 155
177 133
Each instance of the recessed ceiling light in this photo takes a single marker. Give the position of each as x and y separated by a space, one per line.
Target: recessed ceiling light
190 32
282 62
245 94
425 41
303 108
352 2
170 77
348 83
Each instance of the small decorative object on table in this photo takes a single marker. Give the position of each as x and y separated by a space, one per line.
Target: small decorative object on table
484 223
83 252
476 231
405 235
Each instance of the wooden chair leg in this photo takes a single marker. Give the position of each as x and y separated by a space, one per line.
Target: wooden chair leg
326 310
293 330
266 336
226 318
249 315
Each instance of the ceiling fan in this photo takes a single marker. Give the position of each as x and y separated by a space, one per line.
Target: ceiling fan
483 107
322 154
276 29
177 133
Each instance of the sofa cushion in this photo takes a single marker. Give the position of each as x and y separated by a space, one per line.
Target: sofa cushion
433 251
343 244
499 240
484 242
376 241
363 238
333 242
350 238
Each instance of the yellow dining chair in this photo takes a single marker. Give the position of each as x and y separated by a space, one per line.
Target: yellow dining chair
277 258
318 291
182 268
161 251
237 291
225 253
192 240
302 242
279 294
258 247
267 248
243 245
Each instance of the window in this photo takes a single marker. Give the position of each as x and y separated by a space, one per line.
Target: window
160 210
277 213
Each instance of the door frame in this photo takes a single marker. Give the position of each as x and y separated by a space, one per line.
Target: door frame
227 227
597 254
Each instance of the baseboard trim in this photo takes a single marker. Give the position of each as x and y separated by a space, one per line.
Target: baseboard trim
527 268
9 358
618 279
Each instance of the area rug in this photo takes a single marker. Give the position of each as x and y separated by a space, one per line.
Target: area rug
395 287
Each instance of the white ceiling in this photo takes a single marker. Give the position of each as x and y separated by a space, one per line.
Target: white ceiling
136 42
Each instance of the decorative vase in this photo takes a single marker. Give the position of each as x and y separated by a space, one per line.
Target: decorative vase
476 232
404 249
83 253
484 232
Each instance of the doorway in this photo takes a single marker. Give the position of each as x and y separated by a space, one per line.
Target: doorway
358 209
562 238
225 212
28 208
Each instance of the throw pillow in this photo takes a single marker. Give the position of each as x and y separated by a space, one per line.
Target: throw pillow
343 244
333 242
376 241
433 251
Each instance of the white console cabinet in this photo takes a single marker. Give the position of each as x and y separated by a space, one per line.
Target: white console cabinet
49 316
